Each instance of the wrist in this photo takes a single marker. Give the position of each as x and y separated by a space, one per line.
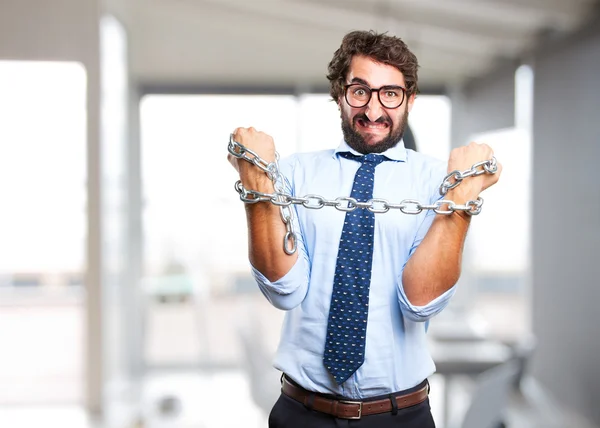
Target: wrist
461 217
460 200
461 196
255 179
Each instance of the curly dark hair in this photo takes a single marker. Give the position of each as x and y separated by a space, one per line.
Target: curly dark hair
380 47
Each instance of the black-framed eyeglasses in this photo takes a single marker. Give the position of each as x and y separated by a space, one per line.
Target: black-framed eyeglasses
358 95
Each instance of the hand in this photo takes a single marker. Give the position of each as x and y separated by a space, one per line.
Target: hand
462 159
261 144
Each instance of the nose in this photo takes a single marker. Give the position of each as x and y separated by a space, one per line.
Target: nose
374 108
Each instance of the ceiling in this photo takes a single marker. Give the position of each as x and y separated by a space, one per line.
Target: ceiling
288 43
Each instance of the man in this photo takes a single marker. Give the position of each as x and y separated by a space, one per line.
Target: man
361 285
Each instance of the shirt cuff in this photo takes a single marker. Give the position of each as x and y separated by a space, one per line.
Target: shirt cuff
425 312
285 285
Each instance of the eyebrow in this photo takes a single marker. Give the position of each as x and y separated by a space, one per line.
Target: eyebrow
364 82
359 80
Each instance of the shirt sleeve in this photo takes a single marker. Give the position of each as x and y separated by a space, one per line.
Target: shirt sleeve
289 291
425 312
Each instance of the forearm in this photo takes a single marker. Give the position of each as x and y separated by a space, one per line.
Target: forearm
266 232
435 266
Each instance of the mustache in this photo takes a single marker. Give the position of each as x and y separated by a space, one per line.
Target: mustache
361 116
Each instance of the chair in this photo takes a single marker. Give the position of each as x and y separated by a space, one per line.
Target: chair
490 396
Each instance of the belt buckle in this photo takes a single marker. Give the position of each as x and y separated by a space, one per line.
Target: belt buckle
360 406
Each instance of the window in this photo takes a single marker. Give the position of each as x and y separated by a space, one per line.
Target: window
194 224
43 195
497 256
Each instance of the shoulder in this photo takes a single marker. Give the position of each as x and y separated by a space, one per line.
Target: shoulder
307 159
428 170
427 166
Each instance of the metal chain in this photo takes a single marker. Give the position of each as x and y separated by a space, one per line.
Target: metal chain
345 203
489 167
290 241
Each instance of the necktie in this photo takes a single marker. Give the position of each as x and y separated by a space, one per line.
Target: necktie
347 322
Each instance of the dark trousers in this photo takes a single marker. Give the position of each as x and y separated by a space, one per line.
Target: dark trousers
289 413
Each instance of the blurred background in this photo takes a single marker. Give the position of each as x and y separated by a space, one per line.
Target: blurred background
125 294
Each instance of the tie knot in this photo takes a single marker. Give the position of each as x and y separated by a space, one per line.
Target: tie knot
371 158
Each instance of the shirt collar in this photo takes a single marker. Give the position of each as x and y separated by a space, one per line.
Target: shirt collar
396 153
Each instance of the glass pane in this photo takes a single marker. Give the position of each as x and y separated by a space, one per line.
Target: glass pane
499 238
319 120
42 188
194 224
430 122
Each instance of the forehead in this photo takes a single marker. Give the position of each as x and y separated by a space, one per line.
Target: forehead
375 73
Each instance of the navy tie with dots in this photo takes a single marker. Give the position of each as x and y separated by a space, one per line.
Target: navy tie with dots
349 308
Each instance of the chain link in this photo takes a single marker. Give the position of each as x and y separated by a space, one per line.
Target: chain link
488 167
346 203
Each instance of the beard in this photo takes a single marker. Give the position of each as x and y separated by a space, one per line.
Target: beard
355 140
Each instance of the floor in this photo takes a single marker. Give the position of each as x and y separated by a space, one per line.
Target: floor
41 370
192 400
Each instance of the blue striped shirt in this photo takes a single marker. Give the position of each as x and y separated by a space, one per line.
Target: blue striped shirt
396 354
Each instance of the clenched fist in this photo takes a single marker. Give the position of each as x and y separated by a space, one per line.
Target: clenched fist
462 159
260 143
